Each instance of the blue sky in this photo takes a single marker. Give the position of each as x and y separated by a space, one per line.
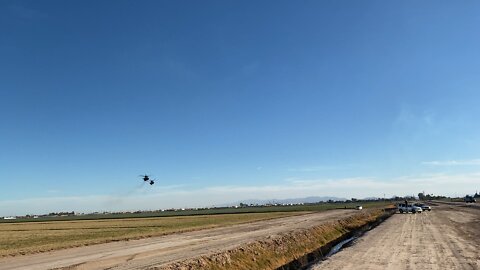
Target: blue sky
231 100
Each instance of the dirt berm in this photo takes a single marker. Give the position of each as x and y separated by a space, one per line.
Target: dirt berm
283 251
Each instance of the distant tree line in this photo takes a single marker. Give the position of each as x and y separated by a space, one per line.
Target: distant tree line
62 214
424 197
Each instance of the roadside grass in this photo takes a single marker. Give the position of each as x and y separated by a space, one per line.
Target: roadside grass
278 251
32 237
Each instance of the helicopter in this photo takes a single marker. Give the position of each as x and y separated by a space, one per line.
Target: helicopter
147 178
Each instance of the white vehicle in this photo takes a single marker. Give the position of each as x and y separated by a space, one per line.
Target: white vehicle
424 207
408 208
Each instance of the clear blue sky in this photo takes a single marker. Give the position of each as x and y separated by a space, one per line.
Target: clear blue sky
230 100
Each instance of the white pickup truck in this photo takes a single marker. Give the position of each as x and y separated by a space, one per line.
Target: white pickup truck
423 206
408 208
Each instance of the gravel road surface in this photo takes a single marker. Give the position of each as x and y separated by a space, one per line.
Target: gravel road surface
445 238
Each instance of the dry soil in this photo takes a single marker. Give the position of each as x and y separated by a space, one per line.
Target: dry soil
141 254
445 238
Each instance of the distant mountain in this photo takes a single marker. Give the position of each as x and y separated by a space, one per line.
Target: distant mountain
371 198
288 201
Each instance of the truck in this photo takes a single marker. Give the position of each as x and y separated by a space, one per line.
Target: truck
470 199
408 208
423 206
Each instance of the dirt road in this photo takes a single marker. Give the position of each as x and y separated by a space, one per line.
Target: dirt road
140 254
445 238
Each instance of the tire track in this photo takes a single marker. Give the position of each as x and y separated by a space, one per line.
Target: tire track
432 241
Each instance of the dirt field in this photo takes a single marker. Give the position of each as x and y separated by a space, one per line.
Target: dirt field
445 238
34 237
141 254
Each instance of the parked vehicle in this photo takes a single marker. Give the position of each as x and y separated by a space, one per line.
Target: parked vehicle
408 208
423 206
470 199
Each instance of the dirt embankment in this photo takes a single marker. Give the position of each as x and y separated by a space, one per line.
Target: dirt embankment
281 249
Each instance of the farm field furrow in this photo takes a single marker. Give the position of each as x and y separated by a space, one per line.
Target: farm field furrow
143 253
33 237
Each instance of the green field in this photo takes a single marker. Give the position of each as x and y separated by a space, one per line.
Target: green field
212 211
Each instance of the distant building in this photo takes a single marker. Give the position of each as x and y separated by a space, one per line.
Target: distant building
10 218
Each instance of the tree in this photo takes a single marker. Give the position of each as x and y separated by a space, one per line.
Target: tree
421 196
